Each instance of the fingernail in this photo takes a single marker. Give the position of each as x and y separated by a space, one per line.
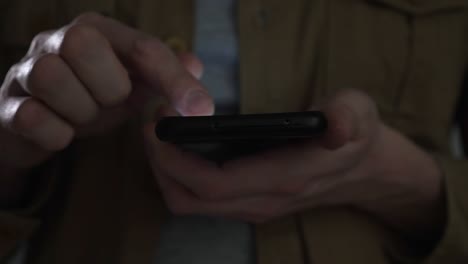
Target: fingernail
198 103
198 75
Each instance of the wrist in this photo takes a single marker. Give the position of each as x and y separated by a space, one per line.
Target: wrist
413 202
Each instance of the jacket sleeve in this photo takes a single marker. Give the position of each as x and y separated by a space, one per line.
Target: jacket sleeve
453 247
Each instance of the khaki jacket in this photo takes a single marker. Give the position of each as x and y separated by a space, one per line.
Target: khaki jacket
100 203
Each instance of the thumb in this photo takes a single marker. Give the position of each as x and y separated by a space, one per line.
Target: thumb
149 129
351 115
341 126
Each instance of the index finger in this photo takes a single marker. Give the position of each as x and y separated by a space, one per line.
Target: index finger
151 60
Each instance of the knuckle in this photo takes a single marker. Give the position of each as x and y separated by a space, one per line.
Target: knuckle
38 43
11 76
77 40
45 74
89 17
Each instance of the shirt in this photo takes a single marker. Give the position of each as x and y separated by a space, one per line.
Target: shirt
201 239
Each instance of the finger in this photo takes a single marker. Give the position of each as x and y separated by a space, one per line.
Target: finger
192 64
288 170
36 122
256 209
278 172
352 116
142 92
341 126
285 171
154 62
39 44
199 175
49 78
90 56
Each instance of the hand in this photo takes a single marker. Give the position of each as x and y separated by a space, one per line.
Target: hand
360 162
81 80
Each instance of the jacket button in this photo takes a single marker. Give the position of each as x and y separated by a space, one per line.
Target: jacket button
176 44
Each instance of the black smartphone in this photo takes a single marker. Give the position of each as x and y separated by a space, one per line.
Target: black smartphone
263 127
221 138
